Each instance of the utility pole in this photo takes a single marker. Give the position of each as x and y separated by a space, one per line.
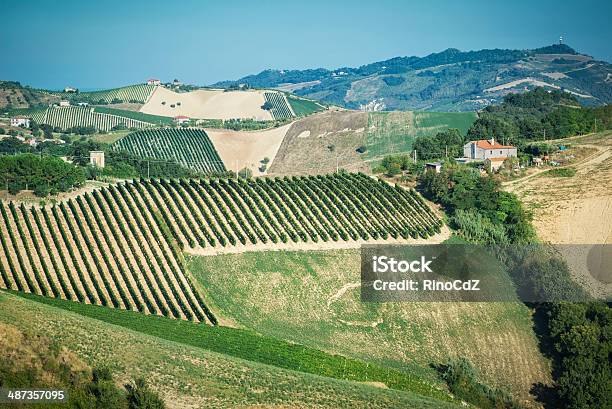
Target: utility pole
148 169
415 156
446 151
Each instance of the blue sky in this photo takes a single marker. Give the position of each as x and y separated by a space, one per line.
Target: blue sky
91 44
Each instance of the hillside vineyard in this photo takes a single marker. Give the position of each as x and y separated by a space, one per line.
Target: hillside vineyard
133 93
189 147
280 107
120 246
73 116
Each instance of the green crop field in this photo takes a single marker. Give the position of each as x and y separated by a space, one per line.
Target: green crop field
190 148
313 298
132 93
102 248
74 116
280 109
139 116
212 364
303 107
394 132
66 250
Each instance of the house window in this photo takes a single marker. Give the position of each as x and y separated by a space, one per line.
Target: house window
491 152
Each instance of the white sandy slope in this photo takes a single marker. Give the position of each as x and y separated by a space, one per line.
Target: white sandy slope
240 149
207 104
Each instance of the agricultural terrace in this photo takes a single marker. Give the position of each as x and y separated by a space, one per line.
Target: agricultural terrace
280 109
105 248
188 147
133 93
394 132
76 116
303 106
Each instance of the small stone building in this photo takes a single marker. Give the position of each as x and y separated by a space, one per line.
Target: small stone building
96 158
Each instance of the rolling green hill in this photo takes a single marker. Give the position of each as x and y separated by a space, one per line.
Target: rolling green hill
450 80
210 366
313 298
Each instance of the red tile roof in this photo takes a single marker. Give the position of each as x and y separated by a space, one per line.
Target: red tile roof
486 144
181 117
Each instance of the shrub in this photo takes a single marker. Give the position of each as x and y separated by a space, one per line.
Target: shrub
561 172
462 381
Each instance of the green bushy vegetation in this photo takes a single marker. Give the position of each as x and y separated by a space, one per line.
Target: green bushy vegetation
561 172
44 175
132 93
463 188
537 115
463 382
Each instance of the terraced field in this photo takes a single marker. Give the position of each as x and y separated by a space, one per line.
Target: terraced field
133 93
190 148
280 107
73 116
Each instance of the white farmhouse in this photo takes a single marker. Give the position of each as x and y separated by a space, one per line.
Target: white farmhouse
64 103
153 81
20 121
488 150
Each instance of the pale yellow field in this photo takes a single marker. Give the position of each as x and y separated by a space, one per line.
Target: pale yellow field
207 104
575 210
242 149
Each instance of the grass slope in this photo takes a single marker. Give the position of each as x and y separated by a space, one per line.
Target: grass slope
302 106
313 298
238 343
394 132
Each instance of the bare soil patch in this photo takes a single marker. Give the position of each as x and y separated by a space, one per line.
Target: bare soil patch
241 149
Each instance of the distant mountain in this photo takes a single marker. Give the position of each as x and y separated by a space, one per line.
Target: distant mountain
451 80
